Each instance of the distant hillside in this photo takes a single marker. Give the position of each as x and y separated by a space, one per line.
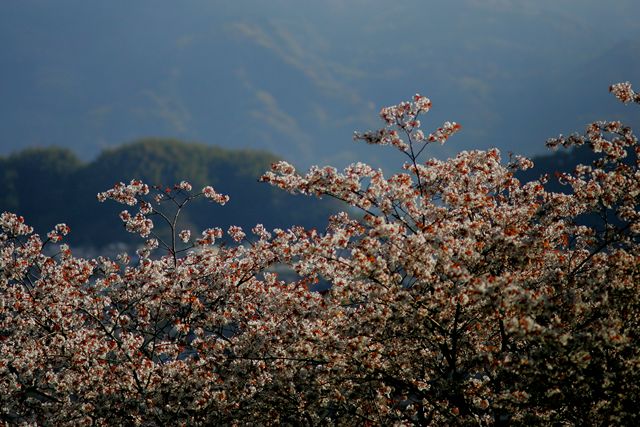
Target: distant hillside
51 185
561 161
565 161
557 161
297 78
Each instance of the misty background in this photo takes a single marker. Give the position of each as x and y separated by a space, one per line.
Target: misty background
296 78
94 92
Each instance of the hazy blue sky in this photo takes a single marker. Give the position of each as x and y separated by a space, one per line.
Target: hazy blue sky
298 77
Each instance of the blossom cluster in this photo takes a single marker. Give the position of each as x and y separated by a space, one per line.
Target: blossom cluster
443 133
211 194
124 193
13 225
404 118
454 294
624 92
58 232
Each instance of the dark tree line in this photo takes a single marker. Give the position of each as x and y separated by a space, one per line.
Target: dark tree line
51 185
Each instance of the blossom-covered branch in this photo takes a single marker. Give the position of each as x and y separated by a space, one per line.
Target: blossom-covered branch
454 294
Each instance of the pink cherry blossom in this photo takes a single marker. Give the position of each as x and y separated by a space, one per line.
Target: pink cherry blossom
212 195
452 294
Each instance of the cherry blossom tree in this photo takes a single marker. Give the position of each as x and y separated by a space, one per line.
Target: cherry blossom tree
458 295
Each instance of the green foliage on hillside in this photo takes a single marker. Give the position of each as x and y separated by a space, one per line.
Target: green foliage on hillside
52 185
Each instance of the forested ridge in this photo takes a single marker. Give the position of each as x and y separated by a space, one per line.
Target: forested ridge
52 185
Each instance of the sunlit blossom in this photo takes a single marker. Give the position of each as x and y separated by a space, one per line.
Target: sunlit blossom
451 294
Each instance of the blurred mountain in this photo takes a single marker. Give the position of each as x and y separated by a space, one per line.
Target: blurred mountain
560 161
51 185
296 79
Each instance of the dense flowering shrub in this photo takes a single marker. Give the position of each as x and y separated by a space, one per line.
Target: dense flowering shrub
458 296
